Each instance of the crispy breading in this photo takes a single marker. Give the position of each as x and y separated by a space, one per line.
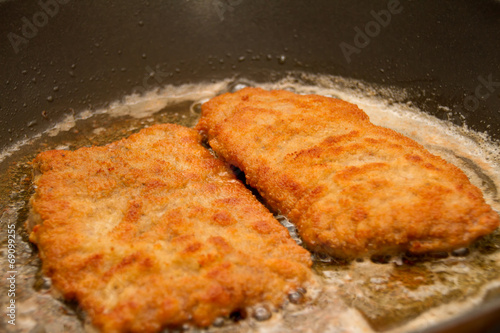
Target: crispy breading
153 231
350 187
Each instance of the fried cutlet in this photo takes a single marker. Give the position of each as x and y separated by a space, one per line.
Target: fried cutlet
153 231
350 187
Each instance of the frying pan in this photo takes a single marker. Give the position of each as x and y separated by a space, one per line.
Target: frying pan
64 56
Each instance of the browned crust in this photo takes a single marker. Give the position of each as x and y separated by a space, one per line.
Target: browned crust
351 188
153 231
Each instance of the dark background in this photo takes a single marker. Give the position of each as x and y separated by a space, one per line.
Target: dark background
93 52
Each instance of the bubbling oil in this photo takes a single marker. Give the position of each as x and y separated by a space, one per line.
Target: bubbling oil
382 294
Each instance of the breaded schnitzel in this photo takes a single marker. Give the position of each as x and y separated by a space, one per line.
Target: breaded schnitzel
350 187
153 231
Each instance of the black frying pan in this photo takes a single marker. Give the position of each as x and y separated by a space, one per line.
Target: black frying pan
62 56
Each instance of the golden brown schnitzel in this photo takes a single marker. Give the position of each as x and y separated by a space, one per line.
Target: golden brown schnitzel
152 231
350 187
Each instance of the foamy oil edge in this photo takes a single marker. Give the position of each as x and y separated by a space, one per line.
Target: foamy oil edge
134 105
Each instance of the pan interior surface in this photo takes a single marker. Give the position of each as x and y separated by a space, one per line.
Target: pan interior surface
396 294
